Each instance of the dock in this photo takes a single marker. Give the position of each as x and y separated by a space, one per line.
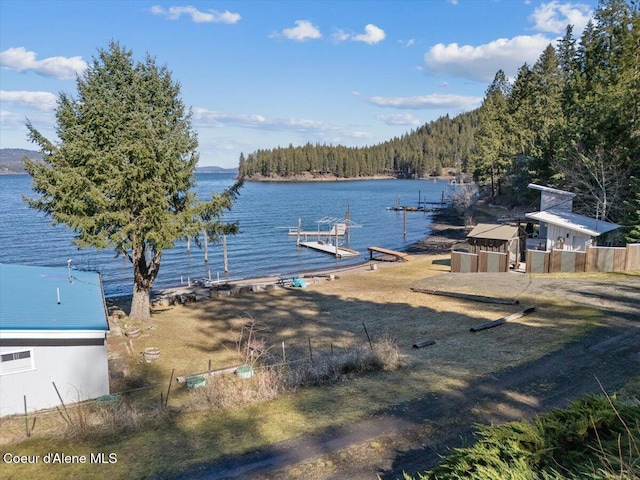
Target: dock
337 230
392 253
331 249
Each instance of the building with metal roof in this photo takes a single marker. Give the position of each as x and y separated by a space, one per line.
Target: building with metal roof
498 238
53 327
563 229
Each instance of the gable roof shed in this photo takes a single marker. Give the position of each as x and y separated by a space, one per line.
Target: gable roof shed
493 232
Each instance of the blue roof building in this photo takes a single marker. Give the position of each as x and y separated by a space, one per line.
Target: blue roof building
53 327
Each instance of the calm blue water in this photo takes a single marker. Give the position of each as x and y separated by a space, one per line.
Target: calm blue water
262 248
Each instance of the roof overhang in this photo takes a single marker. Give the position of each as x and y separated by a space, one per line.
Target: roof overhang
573 221
493 232
50 334
555 191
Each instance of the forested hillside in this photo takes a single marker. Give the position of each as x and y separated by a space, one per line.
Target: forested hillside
572 121
12 159
442 143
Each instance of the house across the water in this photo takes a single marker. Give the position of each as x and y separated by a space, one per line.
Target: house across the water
53 329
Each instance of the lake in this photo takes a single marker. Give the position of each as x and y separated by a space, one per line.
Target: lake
263 247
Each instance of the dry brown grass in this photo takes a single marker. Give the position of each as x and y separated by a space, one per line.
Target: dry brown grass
326 317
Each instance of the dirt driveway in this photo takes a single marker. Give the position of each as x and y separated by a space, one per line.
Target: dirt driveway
411 436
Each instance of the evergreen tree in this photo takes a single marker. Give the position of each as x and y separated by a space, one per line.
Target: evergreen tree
494 148
121 176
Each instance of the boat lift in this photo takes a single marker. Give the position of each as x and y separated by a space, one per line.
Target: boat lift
327 241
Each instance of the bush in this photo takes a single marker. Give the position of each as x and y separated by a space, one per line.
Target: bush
597 438
270 381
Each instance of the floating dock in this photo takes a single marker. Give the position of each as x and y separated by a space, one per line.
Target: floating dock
331 249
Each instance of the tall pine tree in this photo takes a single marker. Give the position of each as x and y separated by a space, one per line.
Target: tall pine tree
121 175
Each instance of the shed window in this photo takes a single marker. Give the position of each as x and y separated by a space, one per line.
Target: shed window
16 362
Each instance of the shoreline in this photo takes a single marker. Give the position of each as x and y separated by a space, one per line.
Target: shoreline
447 229
311 177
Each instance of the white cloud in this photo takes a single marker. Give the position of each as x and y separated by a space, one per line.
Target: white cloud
21 60
554 17
399 119
480 63
204 118
40 100
214 118
11 119
304 30
210 16
371 35
340 36
432 101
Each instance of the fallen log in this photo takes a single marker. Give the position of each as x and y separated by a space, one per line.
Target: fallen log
209 373
468 296
500 321
424 343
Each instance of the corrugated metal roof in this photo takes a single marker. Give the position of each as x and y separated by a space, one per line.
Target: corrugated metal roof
493 231
29 299
573 221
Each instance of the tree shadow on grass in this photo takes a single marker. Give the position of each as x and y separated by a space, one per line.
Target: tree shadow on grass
477 394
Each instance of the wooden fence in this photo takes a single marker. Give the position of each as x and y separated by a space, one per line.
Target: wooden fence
595 259
483 261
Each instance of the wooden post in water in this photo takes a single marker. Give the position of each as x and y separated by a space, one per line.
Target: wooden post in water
188 244
404 223
336 242
224 253
206 247
299 230
346 224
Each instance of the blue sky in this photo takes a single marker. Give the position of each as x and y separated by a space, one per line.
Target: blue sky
261 73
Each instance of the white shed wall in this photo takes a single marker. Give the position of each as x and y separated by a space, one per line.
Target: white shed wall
79 372
562 238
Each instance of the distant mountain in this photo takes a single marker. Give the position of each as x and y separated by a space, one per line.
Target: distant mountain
216 170
12 161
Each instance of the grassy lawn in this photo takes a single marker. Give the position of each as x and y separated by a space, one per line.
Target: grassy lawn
328 315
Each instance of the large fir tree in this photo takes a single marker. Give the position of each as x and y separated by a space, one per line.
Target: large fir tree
121 175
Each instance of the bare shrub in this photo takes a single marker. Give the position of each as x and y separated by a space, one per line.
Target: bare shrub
251 348
123 417
387 351
269 381
226 391
88 418
463 199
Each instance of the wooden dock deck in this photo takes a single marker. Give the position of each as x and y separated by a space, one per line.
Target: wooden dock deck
393 253
331 249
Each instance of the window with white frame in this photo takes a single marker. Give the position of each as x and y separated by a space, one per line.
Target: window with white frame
18 361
